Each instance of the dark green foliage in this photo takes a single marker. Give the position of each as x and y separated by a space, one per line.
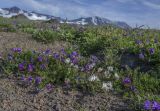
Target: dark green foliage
45 35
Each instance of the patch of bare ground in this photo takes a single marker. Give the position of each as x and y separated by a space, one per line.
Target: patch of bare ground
14 97
10 40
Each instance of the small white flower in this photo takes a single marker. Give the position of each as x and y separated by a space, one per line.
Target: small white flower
116 76
72 64
107 86
76 66
107 74
93 78
50 55
110 68
92 65
67 61
100 69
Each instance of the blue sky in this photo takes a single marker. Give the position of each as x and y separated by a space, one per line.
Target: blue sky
141 12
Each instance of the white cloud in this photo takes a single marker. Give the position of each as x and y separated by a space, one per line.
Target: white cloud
130 11
124 1
151 5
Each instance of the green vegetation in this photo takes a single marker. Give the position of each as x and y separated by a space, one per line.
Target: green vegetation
128 58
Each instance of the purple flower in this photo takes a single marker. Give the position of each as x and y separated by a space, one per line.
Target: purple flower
62 59
74 54
138 42
30 79
155 105
93 59
38 80
127 80
151 51
141 56
30 68
47 51
133 88
10 57
147 105
21 67
56 55
63 52
88 67
17 50
155 40
159 106
40 59
49 87
42 66
31 60
22 77
82 69
74 61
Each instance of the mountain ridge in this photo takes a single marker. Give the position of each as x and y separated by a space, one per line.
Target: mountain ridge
32 15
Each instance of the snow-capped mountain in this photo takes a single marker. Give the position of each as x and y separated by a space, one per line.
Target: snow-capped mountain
97 21
14 11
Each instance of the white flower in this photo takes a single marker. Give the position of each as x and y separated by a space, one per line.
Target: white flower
116 76
76 66
92 65
100 69
93 78
107 74
50 55
107 86
67 61
72 64
110 68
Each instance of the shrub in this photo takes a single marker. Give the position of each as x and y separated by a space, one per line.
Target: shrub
45 35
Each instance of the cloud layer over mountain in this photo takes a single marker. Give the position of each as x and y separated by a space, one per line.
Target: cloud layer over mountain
142 12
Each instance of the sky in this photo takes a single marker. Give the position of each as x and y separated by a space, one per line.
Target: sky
133 12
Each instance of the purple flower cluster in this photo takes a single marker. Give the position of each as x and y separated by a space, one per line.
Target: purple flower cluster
92 63
30 68
89 66
74 57
21 67
151 51
42 66
126 80
38 80
10 57
141 56
155 40
49 87
56 55
40 58
22 77
63 52
138 42
47 51
151 105
30 79
17 50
